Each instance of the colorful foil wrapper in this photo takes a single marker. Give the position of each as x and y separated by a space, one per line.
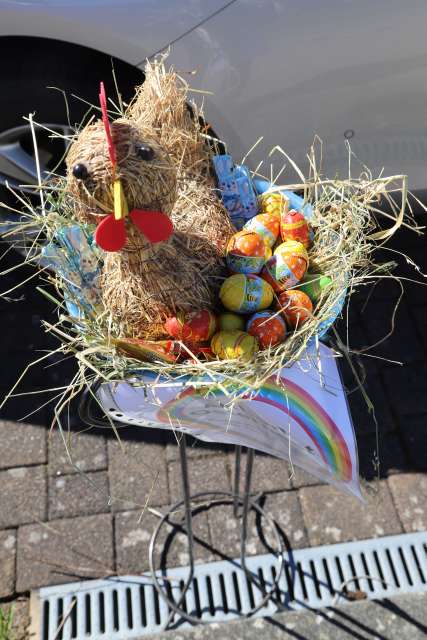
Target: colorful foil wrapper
236 189
76 259
244 264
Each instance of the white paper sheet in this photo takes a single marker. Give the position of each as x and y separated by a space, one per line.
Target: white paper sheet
301 415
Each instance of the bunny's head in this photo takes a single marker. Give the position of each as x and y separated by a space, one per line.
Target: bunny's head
124 182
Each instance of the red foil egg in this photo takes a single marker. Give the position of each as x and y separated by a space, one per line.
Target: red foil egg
268 328
295 306
293 226
192 326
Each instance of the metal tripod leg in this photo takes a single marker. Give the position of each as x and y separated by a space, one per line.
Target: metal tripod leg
239 501
236 487
188 515
187 502
250 454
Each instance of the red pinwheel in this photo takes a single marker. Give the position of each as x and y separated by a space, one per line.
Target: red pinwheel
110 234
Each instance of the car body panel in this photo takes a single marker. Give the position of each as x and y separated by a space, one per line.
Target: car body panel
340 69
282 69
127 29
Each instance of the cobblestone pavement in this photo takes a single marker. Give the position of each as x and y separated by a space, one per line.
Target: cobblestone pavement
61 521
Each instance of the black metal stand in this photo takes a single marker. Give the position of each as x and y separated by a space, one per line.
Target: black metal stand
209 499
240 502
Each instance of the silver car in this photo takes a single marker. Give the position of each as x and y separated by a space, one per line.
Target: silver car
342 69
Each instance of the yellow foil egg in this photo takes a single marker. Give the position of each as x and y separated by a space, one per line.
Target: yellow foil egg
231 322
245 293
228 345
274 203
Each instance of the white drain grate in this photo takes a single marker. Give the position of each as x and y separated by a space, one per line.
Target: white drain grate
127 607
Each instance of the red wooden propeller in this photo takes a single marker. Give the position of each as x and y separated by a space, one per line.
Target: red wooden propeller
110 233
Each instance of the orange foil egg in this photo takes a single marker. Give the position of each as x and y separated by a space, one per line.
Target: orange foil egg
293 226
266 225
246 252
287 266
267 327
295 306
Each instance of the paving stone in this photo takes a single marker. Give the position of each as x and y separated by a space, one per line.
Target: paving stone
88 452
24 409
284 507
133 533
23 495
195 448
205 474
64 551
268 474
400 617
21 444
420 320
416 293
20 618
301 478
406 389
331 516
409 493
392 456
414 435
137 474
363 421
403 344
7 562
78 495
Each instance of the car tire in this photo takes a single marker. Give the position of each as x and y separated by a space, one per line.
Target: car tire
34 65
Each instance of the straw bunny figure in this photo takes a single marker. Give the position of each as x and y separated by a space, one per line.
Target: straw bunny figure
151 271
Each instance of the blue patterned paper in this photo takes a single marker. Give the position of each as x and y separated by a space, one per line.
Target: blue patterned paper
76 259
236 189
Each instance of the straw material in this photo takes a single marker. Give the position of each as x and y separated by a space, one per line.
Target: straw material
163 105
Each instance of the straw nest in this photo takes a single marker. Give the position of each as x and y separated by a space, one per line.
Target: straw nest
348 228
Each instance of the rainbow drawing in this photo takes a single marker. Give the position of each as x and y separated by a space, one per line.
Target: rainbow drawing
291 399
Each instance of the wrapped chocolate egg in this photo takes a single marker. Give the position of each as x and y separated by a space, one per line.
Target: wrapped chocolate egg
287 266
234 345
246 252
293 226
245 293
274 203
295 306
268 327
192 326
314 285
266 225
230 322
